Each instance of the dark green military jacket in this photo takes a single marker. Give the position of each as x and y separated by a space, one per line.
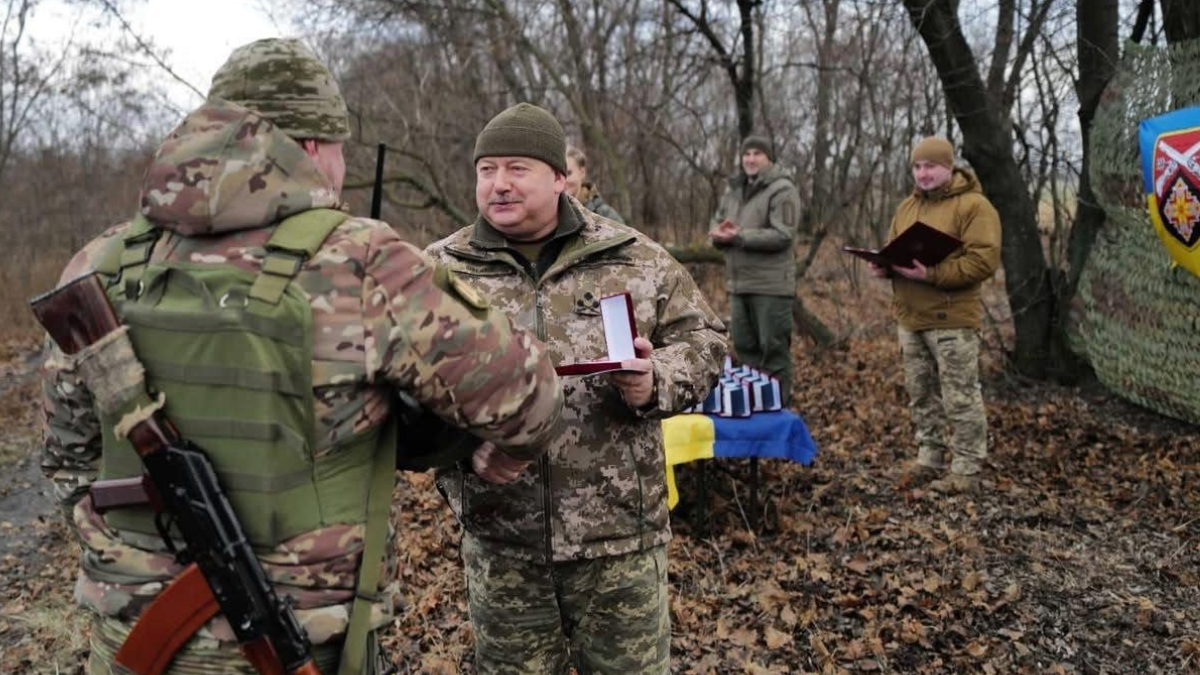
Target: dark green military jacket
763 259
590 197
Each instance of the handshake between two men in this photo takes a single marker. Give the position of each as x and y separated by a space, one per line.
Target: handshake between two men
635 381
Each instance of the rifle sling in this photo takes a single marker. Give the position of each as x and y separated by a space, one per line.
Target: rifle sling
168 623
379 501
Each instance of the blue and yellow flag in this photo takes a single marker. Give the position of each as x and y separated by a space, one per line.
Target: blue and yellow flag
1170 147
773 435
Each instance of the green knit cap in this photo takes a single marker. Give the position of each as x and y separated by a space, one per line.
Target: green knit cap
524 130
761 143
285 82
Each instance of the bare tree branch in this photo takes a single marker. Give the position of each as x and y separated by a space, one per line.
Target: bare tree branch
147 49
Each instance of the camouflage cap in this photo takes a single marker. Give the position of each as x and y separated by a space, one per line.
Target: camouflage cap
285 82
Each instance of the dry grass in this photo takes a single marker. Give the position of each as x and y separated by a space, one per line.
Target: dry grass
22 277
11 452
56 635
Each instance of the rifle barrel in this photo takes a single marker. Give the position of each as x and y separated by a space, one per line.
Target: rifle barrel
377 192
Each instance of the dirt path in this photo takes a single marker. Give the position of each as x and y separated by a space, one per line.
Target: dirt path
25 497
36 564
24 494
25 503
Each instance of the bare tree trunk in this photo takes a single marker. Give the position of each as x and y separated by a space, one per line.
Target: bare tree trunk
741 75
745 85
821 173
587 100
1181 20
581 98
14 78
1098 51
1145 12
1098 43
987 145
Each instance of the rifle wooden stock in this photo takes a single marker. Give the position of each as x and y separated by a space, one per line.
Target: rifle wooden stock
76 314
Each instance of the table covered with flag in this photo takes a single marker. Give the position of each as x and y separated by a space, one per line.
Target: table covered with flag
773 435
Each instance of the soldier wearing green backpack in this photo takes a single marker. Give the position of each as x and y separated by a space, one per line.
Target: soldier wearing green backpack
278 331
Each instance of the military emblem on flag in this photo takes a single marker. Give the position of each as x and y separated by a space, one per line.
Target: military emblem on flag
1170 146
1176 176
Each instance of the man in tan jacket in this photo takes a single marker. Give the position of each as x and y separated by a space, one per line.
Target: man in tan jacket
938 310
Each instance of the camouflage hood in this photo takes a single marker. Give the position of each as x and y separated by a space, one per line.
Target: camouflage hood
226 168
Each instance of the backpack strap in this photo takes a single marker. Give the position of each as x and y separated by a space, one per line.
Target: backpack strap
126 259
295 241
354 658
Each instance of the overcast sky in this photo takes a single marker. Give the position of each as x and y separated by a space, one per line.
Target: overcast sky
199 34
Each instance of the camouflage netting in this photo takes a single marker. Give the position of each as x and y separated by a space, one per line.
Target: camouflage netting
1140 323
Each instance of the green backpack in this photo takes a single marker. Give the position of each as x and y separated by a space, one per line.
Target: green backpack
232 351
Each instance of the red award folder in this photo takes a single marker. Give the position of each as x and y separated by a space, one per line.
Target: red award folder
919 242
616 311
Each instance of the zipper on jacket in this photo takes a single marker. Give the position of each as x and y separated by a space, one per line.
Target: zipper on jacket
538 316
547 517
540 325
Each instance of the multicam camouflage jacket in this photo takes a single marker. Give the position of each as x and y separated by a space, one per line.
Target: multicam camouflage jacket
385 318
600 489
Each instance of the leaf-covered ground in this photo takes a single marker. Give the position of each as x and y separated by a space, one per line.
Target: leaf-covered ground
1079 556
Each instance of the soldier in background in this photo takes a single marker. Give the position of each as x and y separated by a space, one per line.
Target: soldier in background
755 226
939 310
565 557
579 187
267 146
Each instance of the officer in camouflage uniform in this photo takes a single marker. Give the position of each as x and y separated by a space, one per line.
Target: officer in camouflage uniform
565 557
755 225
939 311
385 319
584 190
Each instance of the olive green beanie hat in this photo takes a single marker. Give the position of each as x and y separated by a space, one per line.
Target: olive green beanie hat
760 143
283 81
934 149
524 130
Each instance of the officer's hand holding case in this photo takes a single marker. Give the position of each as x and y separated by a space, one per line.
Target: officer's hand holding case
620 330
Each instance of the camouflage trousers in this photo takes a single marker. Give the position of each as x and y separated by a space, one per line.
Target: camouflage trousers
761 328
941 373
210 657
607 615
